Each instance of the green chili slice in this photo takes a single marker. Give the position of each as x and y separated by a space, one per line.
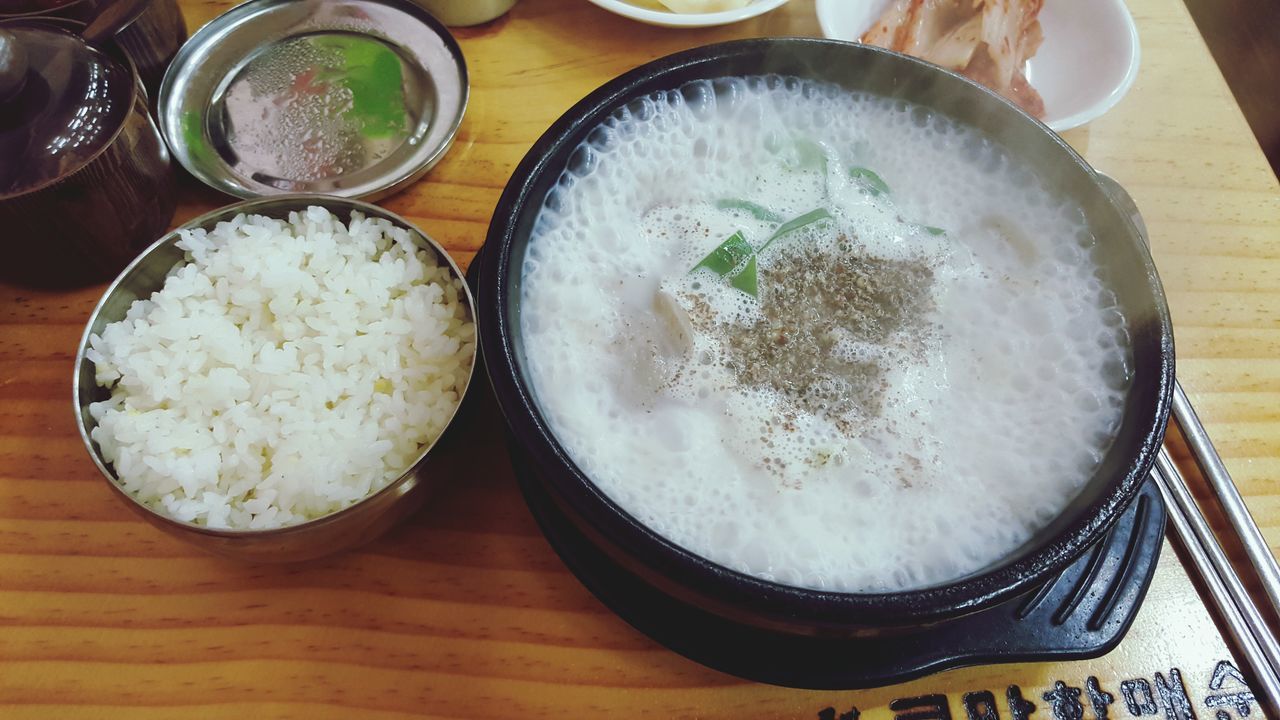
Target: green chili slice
869 181
809 154
727 255
730 254
746 279
794 224
759 212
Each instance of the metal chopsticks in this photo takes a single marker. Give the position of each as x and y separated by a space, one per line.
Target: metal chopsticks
1243 621
1210 464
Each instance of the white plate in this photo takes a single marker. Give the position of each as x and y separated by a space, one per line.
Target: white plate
1087 62
688 20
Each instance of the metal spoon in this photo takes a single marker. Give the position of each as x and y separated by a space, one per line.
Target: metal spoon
1243 620
111 19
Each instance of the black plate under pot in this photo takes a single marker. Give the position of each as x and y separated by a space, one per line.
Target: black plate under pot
1126 268
1082 612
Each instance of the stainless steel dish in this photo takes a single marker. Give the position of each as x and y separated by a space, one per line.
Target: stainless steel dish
356 98
354 525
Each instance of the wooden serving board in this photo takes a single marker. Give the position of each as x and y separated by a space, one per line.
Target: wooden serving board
465 612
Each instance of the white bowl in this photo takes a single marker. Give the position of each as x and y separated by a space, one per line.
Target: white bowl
688 20
1087 62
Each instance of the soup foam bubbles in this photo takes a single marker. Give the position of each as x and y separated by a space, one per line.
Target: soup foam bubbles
986 412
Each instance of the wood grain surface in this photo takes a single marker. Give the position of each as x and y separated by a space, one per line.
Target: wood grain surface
464 611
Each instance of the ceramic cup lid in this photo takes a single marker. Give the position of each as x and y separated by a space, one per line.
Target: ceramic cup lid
61 103
355 98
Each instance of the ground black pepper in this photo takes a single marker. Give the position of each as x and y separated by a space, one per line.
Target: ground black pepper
814 299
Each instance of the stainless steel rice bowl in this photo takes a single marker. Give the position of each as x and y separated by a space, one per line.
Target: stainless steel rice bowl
355 524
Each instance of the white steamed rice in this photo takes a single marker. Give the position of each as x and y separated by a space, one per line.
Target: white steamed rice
286 371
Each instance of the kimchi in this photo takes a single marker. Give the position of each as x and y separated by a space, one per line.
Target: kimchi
988 41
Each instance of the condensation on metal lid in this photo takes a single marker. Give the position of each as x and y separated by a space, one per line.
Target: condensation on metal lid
356 98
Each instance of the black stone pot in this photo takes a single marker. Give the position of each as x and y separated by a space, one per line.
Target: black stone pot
746 600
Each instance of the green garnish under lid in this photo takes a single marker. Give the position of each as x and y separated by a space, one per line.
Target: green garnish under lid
193 136
373 74
729 255
869 180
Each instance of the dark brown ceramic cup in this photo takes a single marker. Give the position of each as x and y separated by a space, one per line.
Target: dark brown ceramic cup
151 38
88 214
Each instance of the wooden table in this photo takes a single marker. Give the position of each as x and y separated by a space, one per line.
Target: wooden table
465 612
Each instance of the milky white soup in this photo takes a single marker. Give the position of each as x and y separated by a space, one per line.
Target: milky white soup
907 383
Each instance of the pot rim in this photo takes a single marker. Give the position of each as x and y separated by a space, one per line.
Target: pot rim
610 521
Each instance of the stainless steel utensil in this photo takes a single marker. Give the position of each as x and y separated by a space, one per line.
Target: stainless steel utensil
356 98
111 19
1213 469
351 526
1245 623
